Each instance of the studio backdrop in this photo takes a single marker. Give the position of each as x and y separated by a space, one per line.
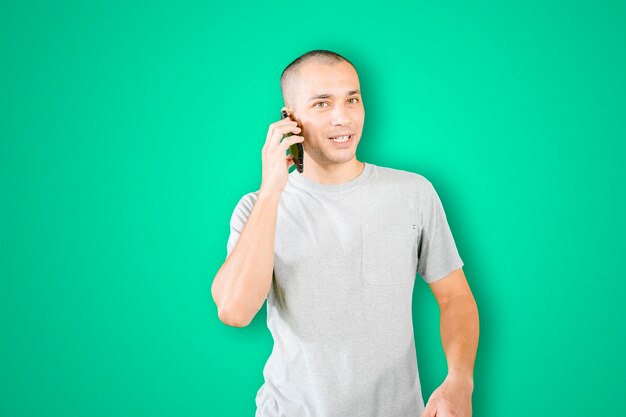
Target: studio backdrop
130 130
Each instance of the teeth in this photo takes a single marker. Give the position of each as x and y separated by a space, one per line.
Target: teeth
340 138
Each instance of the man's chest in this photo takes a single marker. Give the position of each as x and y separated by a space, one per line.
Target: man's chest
346 243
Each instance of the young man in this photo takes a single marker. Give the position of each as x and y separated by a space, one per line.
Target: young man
334 251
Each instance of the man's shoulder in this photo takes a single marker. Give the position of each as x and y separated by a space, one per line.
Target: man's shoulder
246 201
251 196
410 178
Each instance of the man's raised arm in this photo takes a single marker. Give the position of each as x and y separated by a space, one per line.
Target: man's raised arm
244 279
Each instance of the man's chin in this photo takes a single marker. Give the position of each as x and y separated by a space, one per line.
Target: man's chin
344 158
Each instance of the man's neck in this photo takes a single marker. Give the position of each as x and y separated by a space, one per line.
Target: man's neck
333 174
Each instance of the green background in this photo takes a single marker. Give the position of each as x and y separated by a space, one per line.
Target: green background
129 131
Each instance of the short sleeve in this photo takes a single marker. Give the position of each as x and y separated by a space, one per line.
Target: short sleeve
239 218
437 253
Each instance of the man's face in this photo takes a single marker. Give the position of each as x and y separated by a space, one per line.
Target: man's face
327 104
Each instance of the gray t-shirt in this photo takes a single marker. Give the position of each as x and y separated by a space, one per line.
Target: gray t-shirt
339 307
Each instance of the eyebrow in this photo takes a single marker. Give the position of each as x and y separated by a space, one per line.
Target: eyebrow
350 93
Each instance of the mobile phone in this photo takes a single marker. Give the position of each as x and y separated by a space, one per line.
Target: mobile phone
296 150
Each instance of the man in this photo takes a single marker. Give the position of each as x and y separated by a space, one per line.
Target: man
334 251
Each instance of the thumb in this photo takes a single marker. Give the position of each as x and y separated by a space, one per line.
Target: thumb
289 160
429 411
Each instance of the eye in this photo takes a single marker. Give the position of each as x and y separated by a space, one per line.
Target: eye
355 99
319 102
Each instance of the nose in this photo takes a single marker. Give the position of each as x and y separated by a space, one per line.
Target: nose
339 116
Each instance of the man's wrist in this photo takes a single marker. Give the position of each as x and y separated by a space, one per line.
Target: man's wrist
462 377
269 195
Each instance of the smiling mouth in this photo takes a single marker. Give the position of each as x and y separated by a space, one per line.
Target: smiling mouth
341 139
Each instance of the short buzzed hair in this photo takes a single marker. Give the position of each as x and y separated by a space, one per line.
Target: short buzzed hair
290 73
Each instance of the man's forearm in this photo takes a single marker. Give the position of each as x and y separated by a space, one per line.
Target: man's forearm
459 336
242 283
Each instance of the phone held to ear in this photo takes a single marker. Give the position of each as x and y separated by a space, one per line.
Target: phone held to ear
296 150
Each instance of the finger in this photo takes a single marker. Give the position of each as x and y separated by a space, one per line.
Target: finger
287 142
277 130
284 124
429 411
282 132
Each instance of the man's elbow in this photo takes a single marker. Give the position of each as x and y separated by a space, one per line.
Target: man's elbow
230 319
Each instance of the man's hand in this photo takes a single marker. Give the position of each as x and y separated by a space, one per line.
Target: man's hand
276 163
453 398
